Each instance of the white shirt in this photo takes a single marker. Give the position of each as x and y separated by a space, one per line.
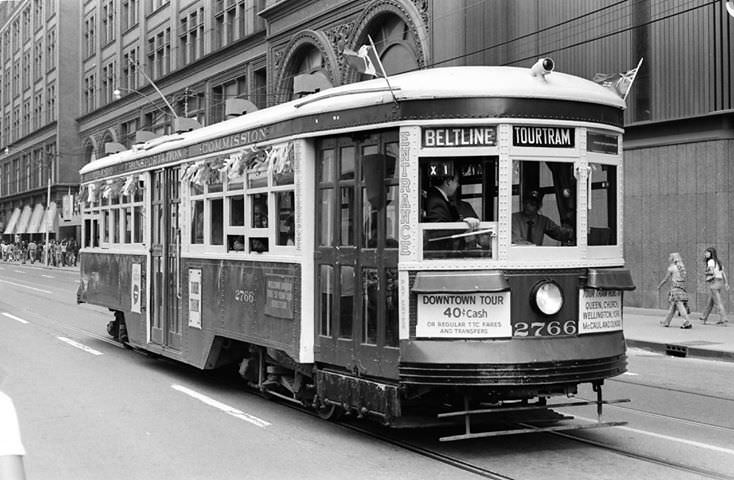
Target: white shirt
10 443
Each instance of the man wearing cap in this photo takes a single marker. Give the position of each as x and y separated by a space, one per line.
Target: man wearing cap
530 228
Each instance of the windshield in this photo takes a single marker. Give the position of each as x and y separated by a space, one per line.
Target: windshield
459 206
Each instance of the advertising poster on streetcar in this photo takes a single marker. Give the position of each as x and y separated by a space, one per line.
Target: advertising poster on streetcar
600 310
195 298
279 301
136 281
464 315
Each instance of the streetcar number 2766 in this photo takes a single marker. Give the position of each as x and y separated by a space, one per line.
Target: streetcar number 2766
544 329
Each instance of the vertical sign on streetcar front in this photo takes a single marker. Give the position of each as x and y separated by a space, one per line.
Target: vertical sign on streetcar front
195 298
135 282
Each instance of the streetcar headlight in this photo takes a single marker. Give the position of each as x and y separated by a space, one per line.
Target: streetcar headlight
547 297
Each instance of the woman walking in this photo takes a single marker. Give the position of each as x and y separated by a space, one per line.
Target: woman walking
677 296
716 280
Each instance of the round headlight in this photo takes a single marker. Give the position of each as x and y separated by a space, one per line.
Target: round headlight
548 298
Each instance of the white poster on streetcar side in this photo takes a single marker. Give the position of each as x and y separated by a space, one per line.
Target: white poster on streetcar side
599 310
464 315
195 298
135 282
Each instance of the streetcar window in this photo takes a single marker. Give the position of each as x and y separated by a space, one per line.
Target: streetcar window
602 207
284 211
259 210
237 211
346 302
326 219
326 305
454 189
543 203
216 232
370 303
197 222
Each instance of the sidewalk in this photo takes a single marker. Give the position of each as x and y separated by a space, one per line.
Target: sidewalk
642 329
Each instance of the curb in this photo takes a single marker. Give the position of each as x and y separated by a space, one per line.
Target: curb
681 350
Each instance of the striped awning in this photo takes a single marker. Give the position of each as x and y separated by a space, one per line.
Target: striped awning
50 222
10 227
35 223
25 217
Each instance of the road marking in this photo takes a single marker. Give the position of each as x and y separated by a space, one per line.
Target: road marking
26 286
48 276
221 406
18 271
668 437
10 315
631 374
79 346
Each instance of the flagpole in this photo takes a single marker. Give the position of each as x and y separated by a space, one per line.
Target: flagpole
637 70
382 70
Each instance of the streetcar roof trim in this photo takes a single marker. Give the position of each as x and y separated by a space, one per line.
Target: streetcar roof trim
434 83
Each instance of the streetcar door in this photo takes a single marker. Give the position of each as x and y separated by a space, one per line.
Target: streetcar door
356 253
165 323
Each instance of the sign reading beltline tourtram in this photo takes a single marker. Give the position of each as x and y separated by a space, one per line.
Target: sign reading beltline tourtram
459 137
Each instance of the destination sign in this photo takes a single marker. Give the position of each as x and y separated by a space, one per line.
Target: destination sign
545 137
600 310
602 143
459 137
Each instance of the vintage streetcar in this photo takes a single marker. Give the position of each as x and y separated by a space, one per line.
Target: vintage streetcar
301 243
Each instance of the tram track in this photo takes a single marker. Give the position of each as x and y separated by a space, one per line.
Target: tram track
672 390
645 458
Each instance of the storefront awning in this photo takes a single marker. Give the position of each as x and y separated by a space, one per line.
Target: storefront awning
12 222
25 217
35 223
50 222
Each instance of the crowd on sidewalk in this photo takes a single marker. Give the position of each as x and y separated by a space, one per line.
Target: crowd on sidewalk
63 253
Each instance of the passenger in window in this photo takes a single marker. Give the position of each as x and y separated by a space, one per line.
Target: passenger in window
259 245
440 208
530 227
260 213
238 243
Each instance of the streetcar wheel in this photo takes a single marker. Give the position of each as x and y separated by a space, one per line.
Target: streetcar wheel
330 411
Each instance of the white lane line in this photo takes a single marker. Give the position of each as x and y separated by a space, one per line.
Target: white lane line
47 276
668 437
26 286
10 315
18 271
631 374
221 406
80 346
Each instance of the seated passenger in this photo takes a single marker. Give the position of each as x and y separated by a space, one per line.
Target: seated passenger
530 227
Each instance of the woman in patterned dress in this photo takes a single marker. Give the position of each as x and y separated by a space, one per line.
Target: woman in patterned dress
677 296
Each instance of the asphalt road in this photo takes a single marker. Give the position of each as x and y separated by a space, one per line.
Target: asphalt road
90 409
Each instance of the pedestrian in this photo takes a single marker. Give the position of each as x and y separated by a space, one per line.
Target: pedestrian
715 280
677 295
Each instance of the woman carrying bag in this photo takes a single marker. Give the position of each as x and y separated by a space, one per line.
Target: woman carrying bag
716 280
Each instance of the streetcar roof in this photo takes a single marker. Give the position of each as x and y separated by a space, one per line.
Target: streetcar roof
434 83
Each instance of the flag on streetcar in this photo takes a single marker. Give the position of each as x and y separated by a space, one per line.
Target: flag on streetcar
619 83
364 60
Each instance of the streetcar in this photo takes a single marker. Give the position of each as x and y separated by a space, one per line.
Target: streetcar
296 243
